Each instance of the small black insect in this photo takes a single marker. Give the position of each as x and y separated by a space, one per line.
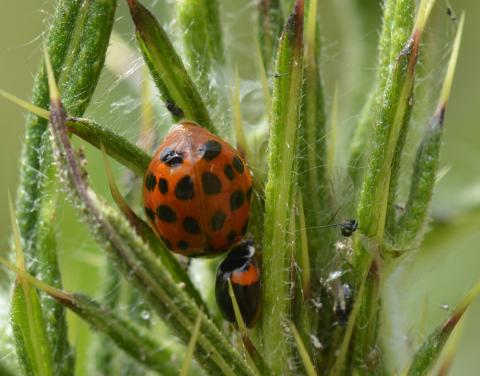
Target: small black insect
348 227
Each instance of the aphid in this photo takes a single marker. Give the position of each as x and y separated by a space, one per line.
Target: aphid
197 192
347 227
241 268
343 303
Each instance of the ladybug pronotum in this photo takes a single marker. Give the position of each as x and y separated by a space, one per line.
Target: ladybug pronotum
197 192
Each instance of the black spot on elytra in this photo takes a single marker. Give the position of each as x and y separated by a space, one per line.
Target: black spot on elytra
231 236
171 157
184 188
249 194
183 245
191 226
238 164
228 171
211 183
166 214
244 228
150 213
210 150
163 185
150 182
218 219
166 242
236 200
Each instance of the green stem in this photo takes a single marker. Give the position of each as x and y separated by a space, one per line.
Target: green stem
279 189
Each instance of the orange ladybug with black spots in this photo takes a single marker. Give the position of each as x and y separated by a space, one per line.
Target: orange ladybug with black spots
197 192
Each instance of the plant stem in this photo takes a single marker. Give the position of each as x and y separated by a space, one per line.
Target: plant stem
279 190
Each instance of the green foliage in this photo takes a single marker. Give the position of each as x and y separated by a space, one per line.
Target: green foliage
176 87
310 324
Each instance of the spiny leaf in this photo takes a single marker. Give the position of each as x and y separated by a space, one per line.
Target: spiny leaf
307 362
115 145
279 188
203 42
426 356
313 145
191 347
177 89
77 42
411 225
29 327
270 23
134 341
393 116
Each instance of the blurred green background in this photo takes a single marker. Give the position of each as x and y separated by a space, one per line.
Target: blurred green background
431 281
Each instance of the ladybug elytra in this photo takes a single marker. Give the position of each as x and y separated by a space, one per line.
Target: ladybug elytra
197 192
241 268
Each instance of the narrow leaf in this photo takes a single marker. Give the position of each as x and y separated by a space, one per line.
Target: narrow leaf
393 114
307 362
115 145
33 348
251 354
76 42
203 42
313 145
191 347
270 21
176 88
426 356
397 16
133 340
412 223
278 191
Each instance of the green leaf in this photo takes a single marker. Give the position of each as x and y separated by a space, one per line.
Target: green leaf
191 347
426 356
176 87
135 341
119 148
203 42
412 223
77 42
270 22
397 15
313 146
307 362
374 198
137 262
279 189
34 350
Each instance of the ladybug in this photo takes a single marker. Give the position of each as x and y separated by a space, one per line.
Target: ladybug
241 268
197 192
